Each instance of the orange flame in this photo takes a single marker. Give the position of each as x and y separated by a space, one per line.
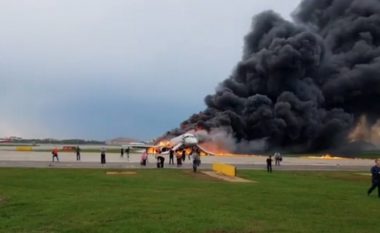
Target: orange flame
325 157
187 150
164 143
151 150
216 148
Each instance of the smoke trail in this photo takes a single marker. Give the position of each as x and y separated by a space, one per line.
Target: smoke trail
301 85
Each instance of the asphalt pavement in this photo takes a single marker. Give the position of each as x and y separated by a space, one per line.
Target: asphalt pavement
33 159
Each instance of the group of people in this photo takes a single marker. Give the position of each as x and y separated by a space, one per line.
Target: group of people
180 156
126 150
77 150
195 154
277 159
55 154
375 172
122 150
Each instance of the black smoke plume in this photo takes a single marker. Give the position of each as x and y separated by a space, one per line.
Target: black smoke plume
301 85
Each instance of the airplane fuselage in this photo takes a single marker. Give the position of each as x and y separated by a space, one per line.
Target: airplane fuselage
185 139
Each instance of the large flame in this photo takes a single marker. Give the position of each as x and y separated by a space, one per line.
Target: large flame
211 146
187 150
215 148
164 143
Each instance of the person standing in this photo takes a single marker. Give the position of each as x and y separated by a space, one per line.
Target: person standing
77 149
277 158
127 150
122 152
269 164
375 170
171 156
179 159
55 154
183 155
196 160
144 158
160 161
103 156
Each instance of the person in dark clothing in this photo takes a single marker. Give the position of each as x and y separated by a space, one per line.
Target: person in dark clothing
171 157
269 164
160 161
183 155
127 152
103 156
179 159
55 154
78 153
122 152
196 160
375 170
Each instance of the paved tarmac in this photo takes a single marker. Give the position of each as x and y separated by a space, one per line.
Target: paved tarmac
32 159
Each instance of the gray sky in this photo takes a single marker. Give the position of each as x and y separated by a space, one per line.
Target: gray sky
98 69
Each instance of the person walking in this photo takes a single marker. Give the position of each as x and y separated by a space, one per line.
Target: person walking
127 150
375 170
77 149
171 156
103 156
269 164
55 154
196 160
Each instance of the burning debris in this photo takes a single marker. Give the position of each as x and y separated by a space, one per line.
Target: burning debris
325 157
301 85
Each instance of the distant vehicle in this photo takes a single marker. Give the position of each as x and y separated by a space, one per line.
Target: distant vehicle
5 140
10 139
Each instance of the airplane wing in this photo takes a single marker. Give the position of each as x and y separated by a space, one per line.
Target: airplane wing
202 150
205 151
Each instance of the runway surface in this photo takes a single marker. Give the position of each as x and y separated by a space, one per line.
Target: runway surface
32 159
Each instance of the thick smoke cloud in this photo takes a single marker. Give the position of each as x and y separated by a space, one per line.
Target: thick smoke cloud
301 85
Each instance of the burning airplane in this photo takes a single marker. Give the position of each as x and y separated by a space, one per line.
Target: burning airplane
300 85
187 142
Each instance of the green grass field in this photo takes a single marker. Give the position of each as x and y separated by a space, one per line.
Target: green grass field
63 200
